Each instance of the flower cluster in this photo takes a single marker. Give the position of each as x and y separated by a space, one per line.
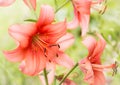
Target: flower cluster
41 44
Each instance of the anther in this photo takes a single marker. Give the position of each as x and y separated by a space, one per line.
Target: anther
55 45
115 65
58 46
103 10
45 52
45 56
50 61
57 55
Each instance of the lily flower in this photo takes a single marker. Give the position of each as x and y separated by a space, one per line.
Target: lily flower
82 14
6 2
30 3
37 43
91 65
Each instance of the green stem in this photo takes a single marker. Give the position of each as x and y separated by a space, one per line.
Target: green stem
68 73
56 5
45 75
54 81
62 6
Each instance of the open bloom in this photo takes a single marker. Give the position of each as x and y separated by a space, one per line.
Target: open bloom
82 14
37 43
91 65
6 2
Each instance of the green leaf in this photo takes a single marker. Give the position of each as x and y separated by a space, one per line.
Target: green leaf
31 20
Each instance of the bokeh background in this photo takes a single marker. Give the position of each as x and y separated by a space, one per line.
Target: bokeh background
108 24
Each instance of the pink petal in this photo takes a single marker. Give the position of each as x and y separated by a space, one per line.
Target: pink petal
51 33
86 67
15 55
82 8
90 43
64 60
66 41
74 23
84 22
6 2
98 50
22 33
33 63
51 73
97 2
46 15
99 78
30 3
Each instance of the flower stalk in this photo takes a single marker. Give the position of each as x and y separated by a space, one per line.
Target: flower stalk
62 6
68 73
45 75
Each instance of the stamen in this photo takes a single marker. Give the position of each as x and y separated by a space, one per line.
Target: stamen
57 55
48 52
45 56
55 45
102 66
99 6
102 11
115 66
50 61
58 46
45 52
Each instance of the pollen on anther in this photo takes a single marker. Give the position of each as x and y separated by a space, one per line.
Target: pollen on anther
50 61
45 52
58 46
57 55
115 66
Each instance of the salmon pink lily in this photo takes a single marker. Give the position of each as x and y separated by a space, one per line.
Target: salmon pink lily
91 65
38 43
82 14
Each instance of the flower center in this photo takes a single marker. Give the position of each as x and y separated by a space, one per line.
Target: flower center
49 50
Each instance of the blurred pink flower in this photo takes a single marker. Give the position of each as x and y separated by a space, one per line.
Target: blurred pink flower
6 2
30 3
91 65
81 14
37 43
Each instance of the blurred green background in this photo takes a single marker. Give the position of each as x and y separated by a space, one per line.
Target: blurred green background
108 24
